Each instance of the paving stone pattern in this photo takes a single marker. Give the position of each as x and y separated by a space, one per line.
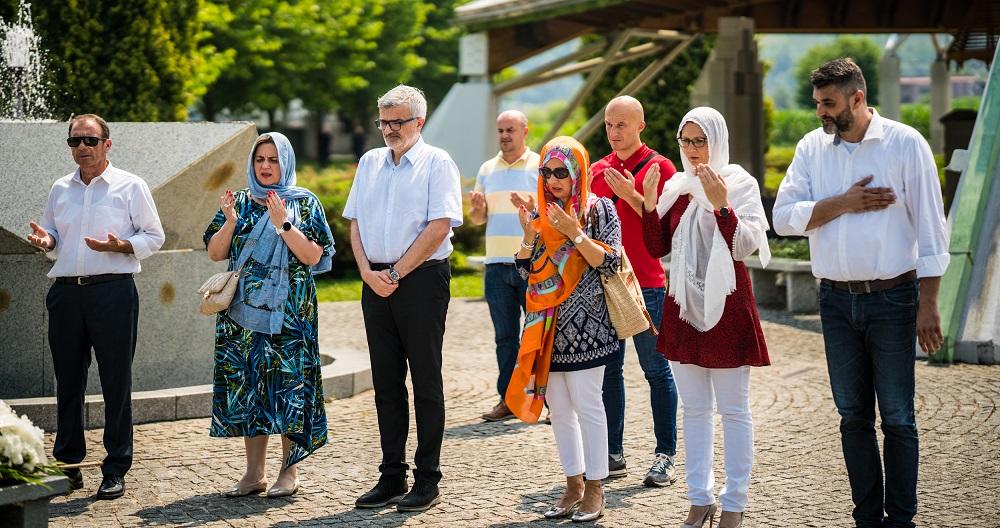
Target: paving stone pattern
505 474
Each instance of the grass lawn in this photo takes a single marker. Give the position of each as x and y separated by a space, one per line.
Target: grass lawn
349 288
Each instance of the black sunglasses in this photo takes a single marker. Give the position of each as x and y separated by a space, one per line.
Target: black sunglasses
393 124
90 141
561 173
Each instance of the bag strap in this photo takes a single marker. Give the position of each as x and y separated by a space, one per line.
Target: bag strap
635 170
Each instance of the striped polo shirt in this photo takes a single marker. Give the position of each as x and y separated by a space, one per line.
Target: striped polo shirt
496 180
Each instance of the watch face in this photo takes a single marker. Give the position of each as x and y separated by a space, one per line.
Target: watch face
287 226
394 275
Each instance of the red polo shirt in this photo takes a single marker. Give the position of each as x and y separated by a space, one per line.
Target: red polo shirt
648 270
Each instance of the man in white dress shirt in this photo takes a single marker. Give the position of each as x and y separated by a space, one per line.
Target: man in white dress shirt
404 202
100 220
865 190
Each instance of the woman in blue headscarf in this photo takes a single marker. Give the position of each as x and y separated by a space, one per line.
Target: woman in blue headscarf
267 367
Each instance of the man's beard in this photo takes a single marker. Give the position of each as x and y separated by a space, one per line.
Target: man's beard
841 122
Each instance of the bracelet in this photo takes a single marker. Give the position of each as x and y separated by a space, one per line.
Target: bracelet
527 246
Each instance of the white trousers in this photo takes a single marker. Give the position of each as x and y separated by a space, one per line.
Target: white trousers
579 424
731 391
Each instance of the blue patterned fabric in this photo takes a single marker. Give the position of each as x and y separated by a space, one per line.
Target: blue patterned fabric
264 383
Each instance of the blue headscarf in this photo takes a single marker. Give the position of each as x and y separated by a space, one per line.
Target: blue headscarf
263 308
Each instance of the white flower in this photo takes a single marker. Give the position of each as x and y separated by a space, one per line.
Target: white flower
22 445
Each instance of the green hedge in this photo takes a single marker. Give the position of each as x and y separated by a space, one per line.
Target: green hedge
792 248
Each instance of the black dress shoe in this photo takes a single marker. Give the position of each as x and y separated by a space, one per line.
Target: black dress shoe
386 492
75 477
421 497
112 487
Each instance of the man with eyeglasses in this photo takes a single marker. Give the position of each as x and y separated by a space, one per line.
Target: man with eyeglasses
620 176
404 202
100 221
503 183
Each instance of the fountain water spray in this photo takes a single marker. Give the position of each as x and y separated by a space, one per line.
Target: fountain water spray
23 93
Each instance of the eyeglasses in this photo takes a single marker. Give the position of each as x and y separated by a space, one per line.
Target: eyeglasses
698 142
561 173
90 141
393 124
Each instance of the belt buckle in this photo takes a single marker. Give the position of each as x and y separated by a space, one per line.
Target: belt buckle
850 287
79 281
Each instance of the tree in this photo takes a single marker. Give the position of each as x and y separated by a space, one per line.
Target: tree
664 100
125 61
862 49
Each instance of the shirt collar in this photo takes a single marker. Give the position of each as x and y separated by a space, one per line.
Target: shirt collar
632 160
875 130
107 175
524 157
411 155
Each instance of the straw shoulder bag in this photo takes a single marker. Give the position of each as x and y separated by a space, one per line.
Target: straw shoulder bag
626 306
218 291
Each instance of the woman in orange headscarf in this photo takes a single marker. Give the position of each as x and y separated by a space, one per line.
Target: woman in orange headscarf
568 244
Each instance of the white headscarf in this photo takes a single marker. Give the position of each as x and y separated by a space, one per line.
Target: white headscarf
701 264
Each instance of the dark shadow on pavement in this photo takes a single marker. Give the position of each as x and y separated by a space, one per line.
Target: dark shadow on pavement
489 429
73 506
209 508
358 517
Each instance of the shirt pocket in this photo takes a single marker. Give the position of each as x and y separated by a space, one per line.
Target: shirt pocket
114 219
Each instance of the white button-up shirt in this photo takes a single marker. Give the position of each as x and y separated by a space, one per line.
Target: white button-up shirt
909 234
115 202
394 203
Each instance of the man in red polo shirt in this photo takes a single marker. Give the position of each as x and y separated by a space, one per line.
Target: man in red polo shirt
619 176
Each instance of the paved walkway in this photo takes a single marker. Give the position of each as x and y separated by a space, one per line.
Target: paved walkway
799 477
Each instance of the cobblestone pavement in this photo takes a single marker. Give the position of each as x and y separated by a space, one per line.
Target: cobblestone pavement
799 477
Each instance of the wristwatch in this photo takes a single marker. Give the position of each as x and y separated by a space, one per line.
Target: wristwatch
724 212
579 239
287 226
393 274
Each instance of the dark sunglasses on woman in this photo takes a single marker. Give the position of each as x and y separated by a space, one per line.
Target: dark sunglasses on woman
90 141
561 173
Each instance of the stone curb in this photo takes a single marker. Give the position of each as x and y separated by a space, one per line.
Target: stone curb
345 373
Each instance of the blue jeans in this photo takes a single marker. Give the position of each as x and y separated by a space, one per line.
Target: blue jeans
662 391
505 294
870 353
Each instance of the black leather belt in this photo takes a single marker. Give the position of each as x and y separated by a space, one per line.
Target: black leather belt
87 280
872 286
427 263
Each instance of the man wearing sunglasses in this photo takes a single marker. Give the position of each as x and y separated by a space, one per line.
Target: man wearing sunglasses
504 182
403 205
620 176
99 221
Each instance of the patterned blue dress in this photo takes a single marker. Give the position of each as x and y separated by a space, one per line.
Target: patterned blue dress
271 384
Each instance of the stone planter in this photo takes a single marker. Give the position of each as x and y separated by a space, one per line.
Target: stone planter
27 505
788 283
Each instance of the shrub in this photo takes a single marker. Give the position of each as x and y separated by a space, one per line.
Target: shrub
918 116
792 248
790 125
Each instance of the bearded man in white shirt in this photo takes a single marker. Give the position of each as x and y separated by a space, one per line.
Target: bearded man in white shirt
865 190
100 220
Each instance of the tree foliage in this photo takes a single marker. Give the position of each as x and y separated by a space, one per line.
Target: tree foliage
665 100
864 52
127 61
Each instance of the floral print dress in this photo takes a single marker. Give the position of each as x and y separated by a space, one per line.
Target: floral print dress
271 384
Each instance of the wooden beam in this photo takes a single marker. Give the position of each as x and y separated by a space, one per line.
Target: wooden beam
531 77
592 79
636 84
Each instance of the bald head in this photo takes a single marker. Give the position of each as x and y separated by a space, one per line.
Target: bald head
512 131
626 104
513 115
623 122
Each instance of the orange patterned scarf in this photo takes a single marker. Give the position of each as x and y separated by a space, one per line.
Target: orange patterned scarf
556 269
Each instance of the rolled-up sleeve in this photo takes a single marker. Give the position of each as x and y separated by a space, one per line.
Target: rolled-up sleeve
148 237
926 207
48 220
793 207
445 196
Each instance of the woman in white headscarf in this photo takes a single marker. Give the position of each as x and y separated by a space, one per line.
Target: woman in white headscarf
709 218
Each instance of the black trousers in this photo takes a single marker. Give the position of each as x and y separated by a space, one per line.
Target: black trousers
103 317
407 329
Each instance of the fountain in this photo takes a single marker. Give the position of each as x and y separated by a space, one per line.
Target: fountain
23 93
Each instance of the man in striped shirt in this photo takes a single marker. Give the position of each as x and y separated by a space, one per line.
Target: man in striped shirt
505 181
